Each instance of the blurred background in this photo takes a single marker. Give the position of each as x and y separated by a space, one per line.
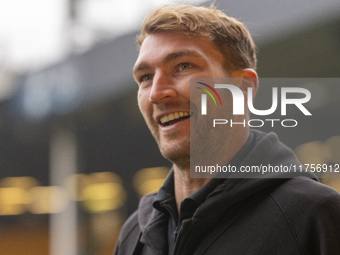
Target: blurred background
75 154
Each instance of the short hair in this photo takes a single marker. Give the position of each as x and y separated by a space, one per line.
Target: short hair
229 35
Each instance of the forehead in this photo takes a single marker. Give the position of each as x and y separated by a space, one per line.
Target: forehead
158 47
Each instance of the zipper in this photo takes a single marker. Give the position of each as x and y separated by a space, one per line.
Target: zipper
176 234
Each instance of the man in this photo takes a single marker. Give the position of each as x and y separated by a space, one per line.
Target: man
217 216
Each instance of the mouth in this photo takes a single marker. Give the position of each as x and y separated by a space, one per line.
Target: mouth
173 118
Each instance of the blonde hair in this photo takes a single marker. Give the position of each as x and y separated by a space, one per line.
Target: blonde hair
229 35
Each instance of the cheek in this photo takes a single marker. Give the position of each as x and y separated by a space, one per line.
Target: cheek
183 88
139 101
143 102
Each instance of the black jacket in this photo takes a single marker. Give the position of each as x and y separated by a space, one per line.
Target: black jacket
247 216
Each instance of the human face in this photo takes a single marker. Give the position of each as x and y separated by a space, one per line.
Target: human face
165 65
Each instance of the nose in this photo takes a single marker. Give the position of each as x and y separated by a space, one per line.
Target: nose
163 88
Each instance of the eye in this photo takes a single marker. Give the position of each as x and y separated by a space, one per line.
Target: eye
145 78
184 66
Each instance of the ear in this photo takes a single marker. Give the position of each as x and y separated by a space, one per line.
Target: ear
249 79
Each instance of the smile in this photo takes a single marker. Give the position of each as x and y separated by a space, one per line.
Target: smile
171 118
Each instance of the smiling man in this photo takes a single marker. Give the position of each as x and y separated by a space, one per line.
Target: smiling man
216 216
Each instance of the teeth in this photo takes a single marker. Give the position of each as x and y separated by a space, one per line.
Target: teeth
165 119
173 116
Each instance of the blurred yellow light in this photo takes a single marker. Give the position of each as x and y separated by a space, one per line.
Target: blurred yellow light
316 152
150 186
332 182
97 192
14 194
24 182
49 199
102 177
149 180
99 197
75 184
334 147
13 200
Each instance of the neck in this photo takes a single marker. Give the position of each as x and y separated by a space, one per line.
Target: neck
185 186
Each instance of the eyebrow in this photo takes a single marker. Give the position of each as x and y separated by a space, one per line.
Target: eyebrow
170 57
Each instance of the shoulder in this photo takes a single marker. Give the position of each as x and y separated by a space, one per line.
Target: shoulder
131 227
129 235
130 224
312 211
306 192
130 232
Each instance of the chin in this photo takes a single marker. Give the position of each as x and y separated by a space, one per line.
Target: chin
178 155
